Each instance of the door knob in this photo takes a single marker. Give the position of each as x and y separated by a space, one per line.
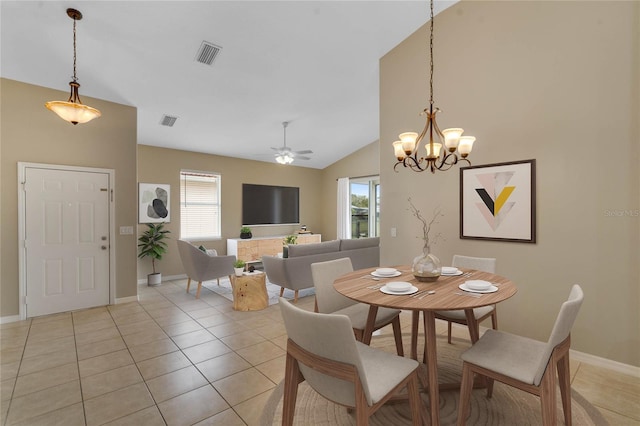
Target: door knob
103 247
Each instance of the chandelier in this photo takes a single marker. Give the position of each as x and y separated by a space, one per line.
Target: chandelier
406 149
73 110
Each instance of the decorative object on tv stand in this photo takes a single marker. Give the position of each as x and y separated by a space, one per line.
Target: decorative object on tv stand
406 149
286 242
284 154
73 110
153 203
245 233
426 266
152 244
238 267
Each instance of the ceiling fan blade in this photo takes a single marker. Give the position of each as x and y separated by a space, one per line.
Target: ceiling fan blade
276 149
301 157
306 151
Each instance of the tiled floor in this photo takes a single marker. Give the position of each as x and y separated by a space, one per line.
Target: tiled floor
172 359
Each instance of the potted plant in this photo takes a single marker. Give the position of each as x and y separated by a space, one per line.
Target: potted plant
152 244
238 267
245 233
286 242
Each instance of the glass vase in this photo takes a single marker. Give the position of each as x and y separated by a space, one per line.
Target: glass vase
426 267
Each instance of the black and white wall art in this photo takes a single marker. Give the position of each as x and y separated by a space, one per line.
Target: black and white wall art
153 203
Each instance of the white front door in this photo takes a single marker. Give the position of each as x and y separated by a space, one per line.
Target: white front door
66 240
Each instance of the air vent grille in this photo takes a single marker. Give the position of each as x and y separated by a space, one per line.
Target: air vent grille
207 53
168 120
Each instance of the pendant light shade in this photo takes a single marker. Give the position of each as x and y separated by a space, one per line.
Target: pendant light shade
73 110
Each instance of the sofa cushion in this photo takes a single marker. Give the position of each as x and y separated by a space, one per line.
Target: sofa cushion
359 243
296 250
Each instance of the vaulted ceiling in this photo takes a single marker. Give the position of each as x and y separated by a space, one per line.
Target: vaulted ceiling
311 63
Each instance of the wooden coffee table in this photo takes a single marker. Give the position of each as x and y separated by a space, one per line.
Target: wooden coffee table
249 292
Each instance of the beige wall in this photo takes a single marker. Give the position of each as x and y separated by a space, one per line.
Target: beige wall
363 162
161 165
554 81
31 133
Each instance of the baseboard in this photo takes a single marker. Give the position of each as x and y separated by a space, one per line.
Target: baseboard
10 318
629 370
126 299
165 278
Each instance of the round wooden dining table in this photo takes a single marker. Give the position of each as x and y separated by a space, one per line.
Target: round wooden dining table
363 287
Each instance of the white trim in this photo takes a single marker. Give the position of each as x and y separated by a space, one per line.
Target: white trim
126 299
629 370
8 319
165 278
22 283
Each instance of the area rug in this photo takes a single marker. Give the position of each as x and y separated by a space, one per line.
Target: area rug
273 290
508 406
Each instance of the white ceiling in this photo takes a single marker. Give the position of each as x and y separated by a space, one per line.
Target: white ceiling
312 63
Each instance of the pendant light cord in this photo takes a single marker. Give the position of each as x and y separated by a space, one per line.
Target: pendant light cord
75 79
431 59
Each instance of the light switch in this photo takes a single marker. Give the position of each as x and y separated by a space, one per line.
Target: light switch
126 230
393 232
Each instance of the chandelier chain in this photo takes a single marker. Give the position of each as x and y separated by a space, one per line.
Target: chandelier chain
431 59
75 79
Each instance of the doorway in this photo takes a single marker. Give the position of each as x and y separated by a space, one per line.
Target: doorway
65 238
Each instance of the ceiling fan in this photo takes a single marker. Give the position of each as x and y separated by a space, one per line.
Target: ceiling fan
284 154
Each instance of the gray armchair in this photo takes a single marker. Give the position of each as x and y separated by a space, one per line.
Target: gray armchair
201 266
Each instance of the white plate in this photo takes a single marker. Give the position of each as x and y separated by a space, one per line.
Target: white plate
412 290
397 274
491 289
478 285
398 286
449 270
457 274
386 271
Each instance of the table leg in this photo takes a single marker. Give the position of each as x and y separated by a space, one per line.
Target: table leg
432 365
415 319
371 321
472 324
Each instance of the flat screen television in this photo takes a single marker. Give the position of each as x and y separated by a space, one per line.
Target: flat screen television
270 205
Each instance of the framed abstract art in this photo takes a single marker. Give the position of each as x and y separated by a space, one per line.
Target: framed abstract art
498 202
153 203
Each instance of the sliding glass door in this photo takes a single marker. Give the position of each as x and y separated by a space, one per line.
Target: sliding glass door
365 207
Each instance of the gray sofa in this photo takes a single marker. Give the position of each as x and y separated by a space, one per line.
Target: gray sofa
294 272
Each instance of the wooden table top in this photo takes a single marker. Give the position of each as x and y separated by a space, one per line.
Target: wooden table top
356 285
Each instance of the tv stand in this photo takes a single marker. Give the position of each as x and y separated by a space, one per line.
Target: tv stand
252 249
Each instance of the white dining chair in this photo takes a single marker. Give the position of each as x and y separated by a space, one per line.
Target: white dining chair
486 264
329 301
322 349
524 363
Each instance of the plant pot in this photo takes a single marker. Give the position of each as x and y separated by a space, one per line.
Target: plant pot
246 235
154 279
238 271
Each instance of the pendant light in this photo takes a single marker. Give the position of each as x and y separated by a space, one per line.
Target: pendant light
73 109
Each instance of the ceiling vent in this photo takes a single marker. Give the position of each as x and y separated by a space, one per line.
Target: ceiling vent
207 53
168 120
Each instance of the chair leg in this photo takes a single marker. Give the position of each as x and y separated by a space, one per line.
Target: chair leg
397 334
415 322
362 409
358 333
548 397
565 387
292 371
188 284
465 394
281 291
449 332
295 296
199 288
218 281
494 318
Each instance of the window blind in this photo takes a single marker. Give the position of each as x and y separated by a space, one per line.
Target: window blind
199 206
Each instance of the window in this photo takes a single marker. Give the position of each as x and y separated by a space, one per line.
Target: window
365 207
199 205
